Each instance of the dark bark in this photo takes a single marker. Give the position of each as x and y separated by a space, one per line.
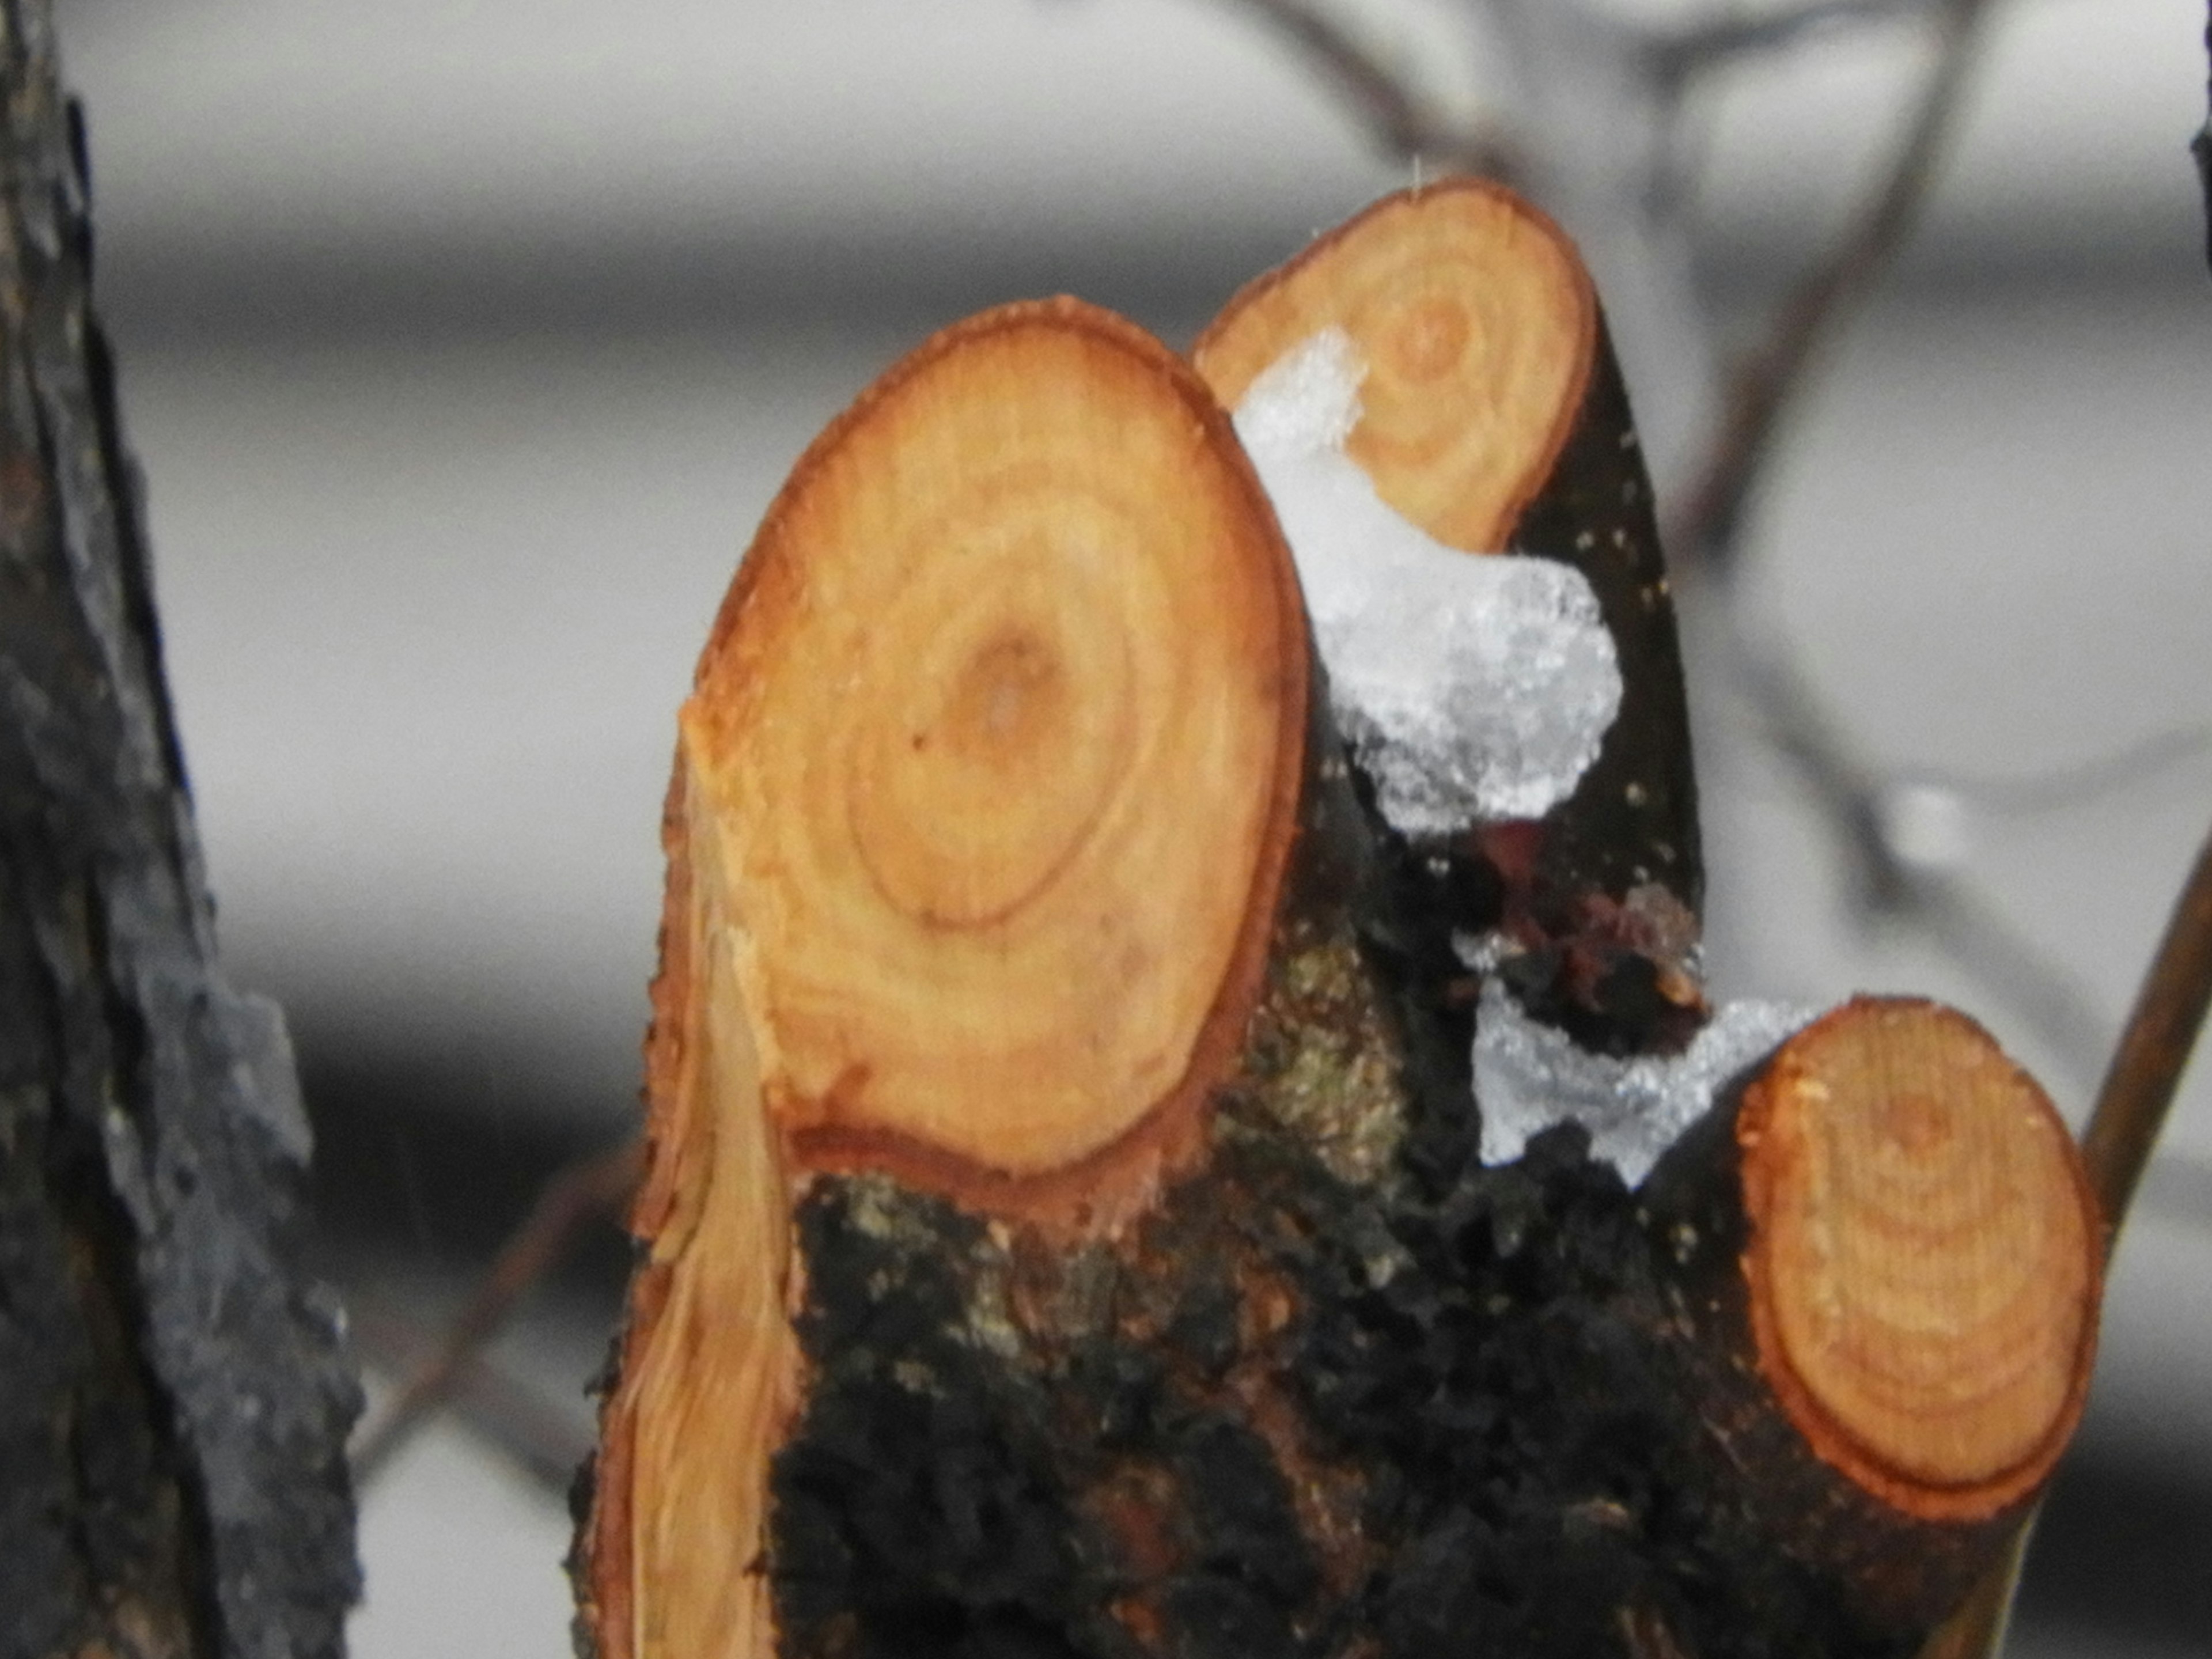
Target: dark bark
1632 821
1438 1414
173 1394
2201 148
1421 1409
1603 897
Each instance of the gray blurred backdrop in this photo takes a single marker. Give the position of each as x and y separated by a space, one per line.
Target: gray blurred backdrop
464 341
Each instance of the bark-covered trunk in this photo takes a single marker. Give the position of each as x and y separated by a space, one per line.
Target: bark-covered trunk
173 1394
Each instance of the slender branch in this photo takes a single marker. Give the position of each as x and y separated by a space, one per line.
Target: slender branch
2131 1108
1379 96
1956 918
539 1434
2028 795
1762 390
1722 41
2153 1052
585 1191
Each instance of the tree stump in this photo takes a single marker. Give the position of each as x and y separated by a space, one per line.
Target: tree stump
1065 1232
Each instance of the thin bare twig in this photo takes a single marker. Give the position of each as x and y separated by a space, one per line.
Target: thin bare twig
1706 534
1723 40
2055 791
1761 391
2153 1052
590 1188
1380 95
1970 930
540 1434
2131 1108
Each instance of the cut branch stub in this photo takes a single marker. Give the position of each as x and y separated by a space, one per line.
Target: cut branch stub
1478 327
981 815
1896 1326
1026 595
1493 416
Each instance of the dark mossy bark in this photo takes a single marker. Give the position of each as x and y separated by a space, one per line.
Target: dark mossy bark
1632 820
1599 901
1347 1393
173 1395
1436 1413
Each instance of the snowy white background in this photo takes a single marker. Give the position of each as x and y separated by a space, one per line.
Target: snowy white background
463 345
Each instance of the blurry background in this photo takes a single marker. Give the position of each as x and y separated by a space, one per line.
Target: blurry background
463 345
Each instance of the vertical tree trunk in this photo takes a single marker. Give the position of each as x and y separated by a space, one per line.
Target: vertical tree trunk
173 1395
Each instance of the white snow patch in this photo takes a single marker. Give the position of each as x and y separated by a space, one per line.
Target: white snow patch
1472 690
1529 1076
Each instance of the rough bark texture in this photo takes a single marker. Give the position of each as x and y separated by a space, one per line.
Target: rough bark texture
173 1397
1410 1406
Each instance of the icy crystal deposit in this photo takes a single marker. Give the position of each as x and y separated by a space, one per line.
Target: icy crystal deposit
1472 690
1529 1076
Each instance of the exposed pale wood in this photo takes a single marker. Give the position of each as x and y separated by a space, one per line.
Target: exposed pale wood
707 1375
1925 1256
1479 328
1000 732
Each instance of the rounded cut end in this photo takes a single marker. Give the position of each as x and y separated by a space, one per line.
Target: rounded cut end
1923 1263
1001 732
1478 326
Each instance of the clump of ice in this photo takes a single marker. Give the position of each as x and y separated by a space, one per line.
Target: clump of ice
1529 1076
1471 690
